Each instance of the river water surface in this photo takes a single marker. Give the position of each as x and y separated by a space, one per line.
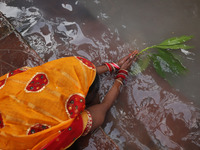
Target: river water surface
149 113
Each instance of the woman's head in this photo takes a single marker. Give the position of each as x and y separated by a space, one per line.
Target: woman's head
92 95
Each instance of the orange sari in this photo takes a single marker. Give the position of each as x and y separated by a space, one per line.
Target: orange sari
44 107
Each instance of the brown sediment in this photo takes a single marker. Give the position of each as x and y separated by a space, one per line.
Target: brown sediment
96 140
14 50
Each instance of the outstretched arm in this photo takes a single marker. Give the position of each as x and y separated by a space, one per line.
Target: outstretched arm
99 111
103 68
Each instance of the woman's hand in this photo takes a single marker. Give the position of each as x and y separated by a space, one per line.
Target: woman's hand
124 59
128 60
122 62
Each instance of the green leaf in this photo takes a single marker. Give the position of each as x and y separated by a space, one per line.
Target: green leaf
176 40
169 63
140 65
179 46
157 66
144 63
164 61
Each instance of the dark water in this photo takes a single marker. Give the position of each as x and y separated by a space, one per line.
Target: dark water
149 113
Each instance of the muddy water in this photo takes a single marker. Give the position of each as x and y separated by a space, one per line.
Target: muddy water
149 113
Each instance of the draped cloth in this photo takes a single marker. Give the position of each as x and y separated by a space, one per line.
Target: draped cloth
44 107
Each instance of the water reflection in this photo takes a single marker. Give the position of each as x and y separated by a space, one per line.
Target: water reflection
149 114
154 111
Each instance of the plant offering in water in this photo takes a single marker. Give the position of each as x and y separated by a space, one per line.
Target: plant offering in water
162 58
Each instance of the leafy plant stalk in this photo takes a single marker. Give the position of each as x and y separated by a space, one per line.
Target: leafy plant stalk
163 60
145 49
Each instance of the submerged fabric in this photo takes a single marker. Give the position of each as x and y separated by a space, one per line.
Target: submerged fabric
43 105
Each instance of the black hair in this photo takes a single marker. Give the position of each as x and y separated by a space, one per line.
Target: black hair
93 91
95 85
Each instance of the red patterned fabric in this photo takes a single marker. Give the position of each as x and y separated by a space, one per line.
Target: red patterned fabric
89 124
75 104
1 121
38 83
12 73
20 70
67 136
2 83
86 62
37 128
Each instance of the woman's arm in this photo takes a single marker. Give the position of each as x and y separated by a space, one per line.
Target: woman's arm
101 69
99 111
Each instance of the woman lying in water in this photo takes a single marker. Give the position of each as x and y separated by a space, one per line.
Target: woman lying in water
49 106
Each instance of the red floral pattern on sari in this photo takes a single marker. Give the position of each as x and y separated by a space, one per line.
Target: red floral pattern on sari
20 70
37 83
86 62
1 121
74 105
37 128
12 73
67 136
2 83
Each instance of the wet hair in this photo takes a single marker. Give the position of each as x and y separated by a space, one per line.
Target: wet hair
93 90
95 85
